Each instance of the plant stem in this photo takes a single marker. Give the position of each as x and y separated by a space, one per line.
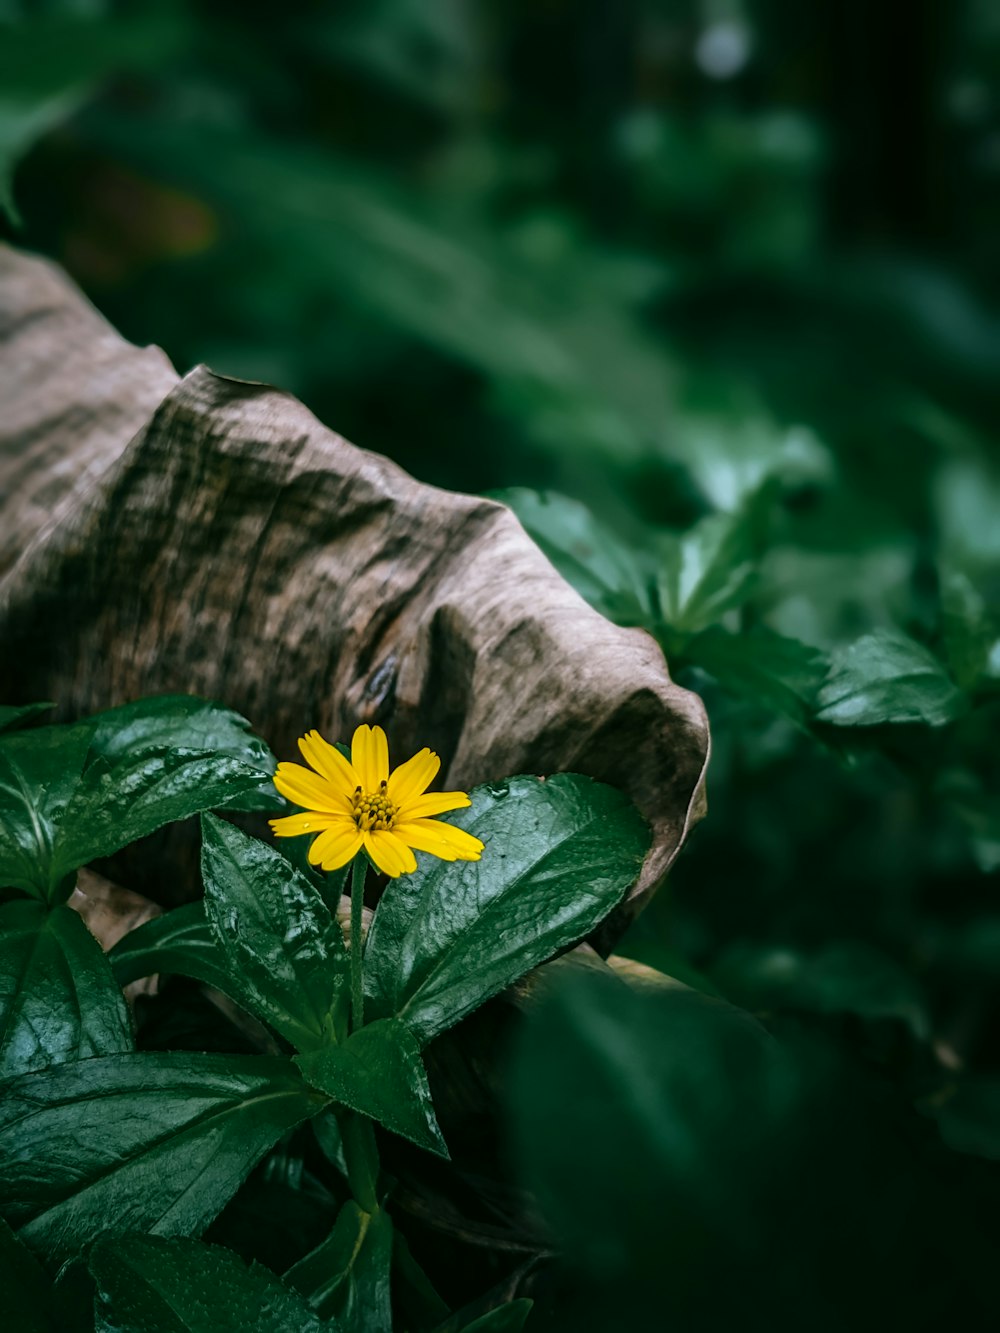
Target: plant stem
360 869
361 1156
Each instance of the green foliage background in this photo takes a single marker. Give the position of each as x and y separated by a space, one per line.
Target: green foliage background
724 273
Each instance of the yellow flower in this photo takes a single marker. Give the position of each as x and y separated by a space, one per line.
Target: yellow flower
358 804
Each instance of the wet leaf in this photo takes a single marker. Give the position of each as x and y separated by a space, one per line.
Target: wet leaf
72 793
147 1284
887 677
59 999
280 944
558 856
178 942
346 1278
146 1141
378 1071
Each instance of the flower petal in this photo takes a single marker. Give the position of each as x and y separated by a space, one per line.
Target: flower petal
414 836
312 821
327 760
310 790
433 803
413 777
382 848
401 849
336 846
431 835
370 755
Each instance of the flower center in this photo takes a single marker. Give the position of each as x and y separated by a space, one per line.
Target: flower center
373 810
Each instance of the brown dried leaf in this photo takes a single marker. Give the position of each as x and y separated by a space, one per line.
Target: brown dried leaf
210 535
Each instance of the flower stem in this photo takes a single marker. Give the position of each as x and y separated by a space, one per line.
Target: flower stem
361 1157
359 871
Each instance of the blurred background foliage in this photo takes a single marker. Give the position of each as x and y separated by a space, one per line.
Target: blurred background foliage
710 291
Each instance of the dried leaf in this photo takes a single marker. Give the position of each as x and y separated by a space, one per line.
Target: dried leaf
236 548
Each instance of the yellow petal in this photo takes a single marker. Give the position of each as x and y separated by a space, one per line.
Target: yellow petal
415 836
464 845
327 760
370 755
308 789
401 849
382 848
434 803
335 846
413 777
292 826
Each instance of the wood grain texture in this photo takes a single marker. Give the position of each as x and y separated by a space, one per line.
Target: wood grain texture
212 536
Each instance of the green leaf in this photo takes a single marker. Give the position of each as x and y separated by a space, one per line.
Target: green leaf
378 1071
977 809
23 121
49 66
148 1284
709 570
69 794
647 1122
417 1302
39 774
610 574
509 1318
887 677
27 1293
179 942
11 717
282 948
346 1278
971 628
559 855
839 979
777 673
156 1142
969 1118
59 999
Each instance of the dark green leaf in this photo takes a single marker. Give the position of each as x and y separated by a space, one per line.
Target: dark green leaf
39 774
378 1071
27 1293
179 942
709 570
978 811
184 721
969 1117
148 1284
777 673
156 1142
282 948
330 1139
48 67
417 1301
887 677
11 717
647 1122
559 855
840 979
59 999
509 1318
971 627
346 1278
113 807
614 577
69 794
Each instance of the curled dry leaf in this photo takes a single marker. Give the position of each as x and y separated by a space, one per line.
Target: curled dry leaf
209 535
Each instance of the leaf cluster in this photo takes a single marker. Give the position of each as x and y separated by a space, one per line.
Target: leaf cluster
115 1158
